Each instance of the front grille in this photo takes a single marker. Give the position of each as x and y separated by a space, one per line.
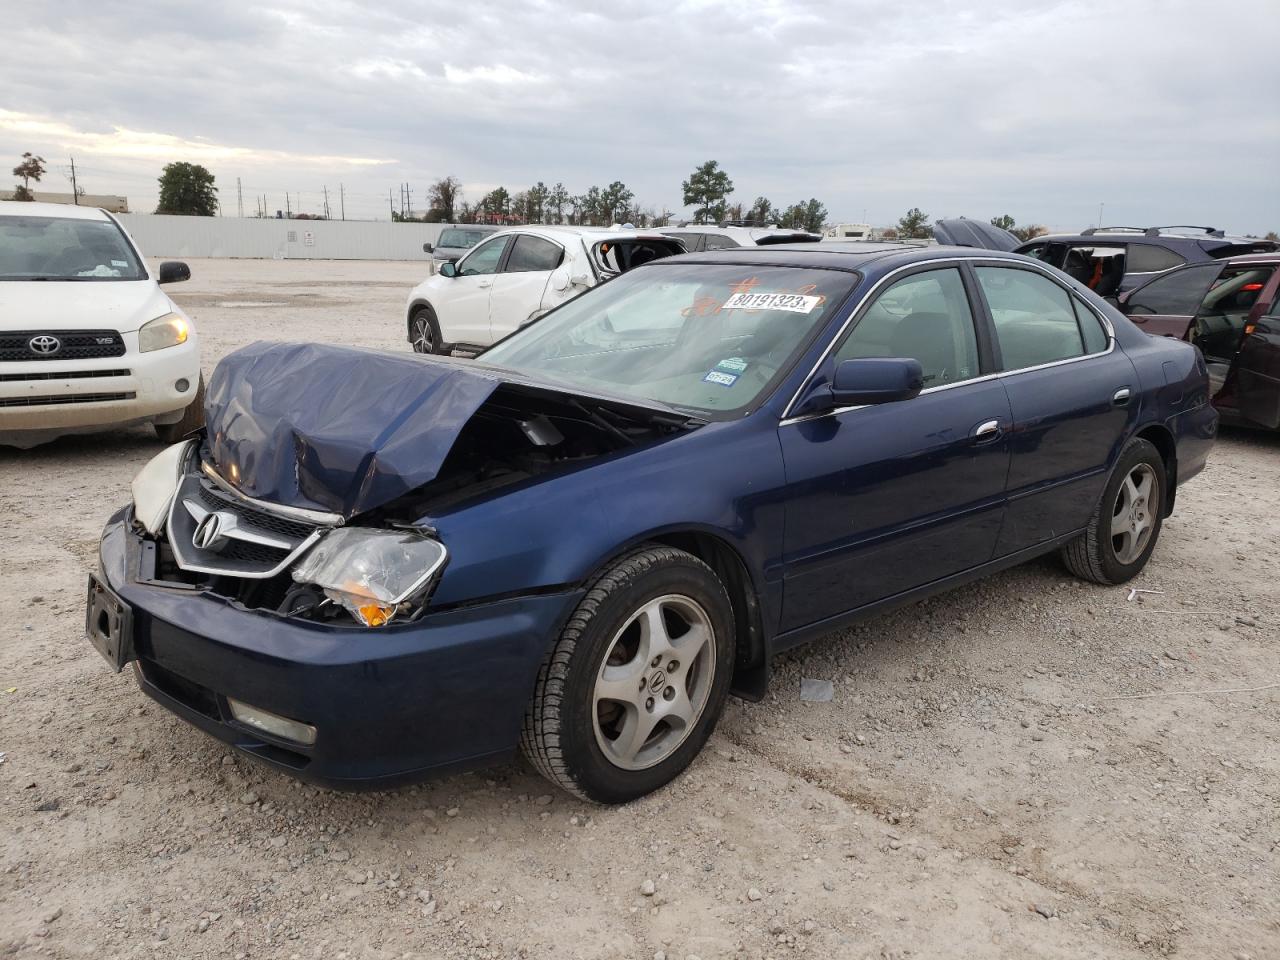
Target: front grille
215 499
68 375
245 541
15 345
71 398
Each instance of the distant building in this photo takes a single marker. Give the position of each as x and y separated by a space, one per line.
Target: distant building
848 231
108 202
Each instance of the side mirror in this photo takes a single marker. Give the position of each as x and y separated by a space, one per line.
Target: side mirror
876 380
427 248
448 269
173 271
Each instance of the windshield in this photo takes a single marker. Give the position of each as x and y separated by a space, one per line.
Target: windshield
461 239
63 248
710 337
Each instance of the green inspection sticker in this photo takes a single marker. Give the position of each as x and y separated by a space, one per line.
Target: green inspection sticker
732 365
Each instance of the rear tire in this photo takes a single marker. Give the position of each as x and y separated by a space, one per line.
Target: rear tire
192 418
424 332
633 687
1126 523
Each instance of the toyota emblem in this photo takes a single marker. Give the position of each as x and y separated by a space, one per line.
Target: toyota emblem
44 345
209 531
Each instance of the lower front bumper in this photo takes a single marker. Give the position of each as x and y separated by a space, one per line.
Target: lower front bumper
389 706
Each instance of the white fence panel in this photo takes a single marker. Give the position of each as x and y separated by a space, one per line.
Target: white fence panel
160 235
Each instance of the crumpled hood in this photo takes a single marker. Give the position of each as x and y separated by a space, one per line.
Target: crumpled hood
336 428
122 305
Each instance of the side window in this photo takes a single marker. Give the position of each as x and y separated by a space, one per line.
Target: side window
690 240
1033 316
1148 258
1091 328
484 258
532 254
925 316
1178 294
1039 250
718 241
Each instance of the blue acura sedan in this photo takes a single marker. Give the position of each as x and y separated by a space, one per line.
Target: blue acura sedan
370 568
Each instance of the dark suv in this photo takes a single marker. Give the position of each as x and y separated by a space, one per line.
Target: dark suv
1111 260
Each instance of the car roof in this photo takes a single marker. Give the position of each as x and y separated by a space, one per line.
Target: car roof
562 233
851 255
66 211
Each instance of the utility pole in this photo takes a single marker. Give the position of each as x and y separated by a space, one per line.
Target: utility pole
239 199
391 204
326 201
288 211
1100 208
75 191
342 200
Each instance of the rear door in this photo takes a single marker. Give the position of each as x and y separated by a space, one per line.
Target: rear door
1167 305
1253 383
520 286
1073 397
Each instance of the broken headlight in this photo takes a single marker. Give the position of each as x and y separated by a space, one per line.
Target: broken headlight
154 486
373 574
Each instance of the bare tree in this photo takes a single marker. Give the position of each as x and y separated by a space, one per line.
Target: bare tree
444 196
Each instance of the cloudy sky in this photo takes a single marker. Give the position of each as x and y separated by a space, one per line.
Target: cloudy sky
1166 111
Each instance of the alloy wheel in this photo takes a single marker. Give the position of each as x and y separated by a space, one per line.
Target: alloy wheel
654 682
1133 517
423 336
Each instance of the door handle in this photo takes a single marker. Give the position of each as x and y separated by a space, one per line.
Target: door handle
986 431
1120 397
485 283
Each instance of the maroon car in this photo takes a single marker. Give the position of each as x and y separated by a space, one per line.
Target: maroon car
1230 309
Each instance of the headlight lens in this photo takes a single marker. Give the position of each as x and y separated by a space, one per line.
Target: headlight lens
374 574
155 484
167 331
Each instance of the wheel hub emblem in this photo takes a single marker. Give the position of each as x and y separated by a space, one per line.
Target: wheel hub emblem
44 345
209 533
657 681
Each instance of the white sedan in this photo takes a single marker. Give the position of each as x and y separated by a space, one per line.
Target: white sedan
88 340
517 275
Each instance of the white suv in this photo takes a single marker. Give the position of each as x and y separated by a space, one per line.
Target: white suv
88 340
517 275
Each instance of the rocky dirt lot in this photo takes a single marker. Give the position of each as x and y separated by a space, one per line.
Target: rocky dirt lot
1013 770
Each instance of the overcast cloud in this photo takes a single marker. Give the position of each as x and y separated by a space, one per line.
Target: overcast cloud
1167 111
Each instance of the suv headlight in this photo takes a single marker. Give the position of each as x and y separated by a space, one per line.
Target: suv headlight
374 574
167 331
154 486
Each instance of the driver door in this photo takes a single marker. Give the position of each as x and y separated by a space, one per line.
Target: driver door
464 311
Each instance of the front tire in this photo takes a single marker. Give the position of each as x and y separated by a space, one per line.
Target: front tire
424 332
1126 522
632 689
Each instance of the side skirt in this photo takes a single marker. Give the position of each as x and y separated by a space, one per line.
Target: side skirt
805 634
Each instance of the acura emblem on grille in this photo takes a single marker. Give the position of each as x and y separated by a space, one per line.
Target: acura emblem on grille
44 345
209 531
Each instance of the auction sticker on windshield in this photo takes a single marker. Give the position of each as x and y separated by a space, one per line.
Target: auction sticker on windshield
790 302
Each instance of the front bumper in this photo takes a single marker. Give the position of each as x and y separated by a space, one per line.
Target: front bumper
390 706
63 396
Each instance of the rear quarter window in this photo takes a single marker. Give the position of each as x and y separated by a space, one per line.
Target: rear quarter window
1148 258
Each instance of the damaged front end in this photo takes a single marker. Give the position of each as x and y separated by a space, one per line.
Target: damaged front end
312 491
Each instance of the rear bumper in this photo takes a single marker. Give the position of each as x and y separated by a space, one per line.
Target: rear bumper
1194 432
62 396
389 706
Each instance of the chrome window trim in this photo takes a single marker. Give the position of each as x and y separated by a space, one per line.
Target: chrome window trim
322 517
788 419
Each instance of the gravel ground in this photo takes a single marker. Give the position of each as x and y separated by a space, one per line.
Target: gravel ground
978 787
